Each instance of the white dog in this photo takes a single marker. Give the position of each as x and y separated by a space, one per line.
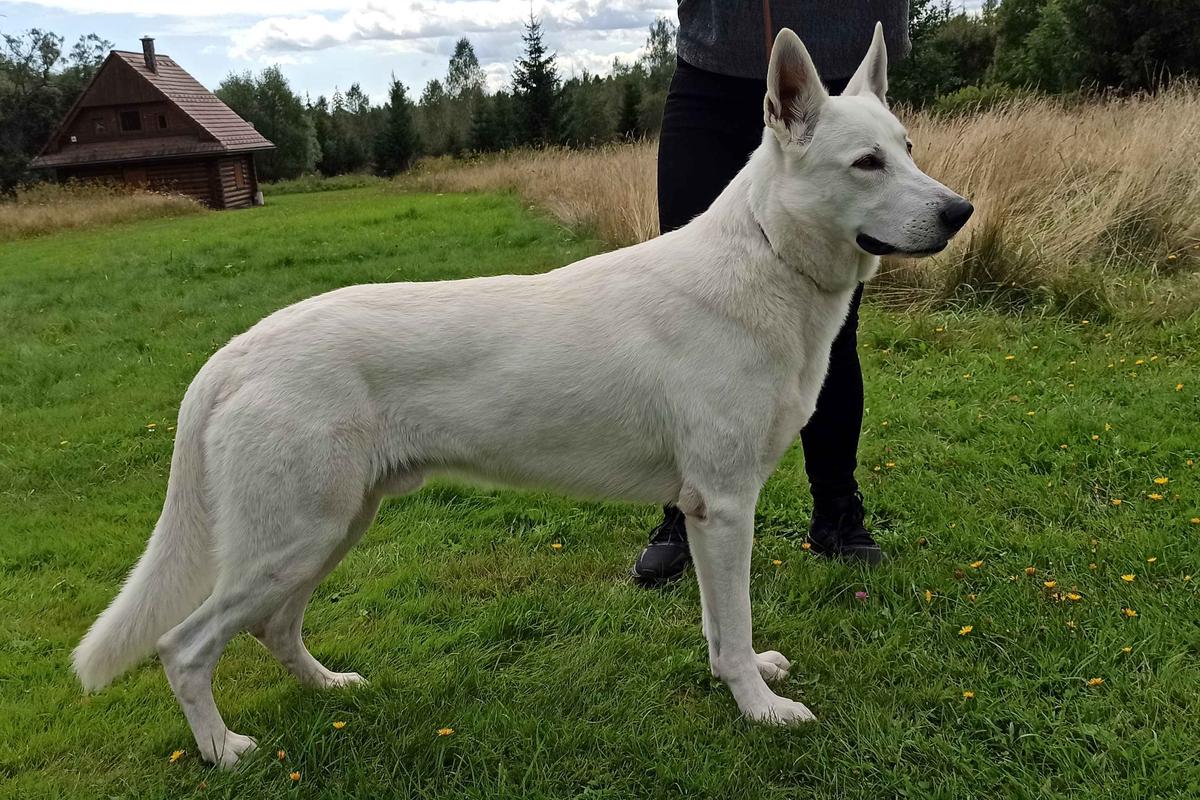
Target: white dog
674 371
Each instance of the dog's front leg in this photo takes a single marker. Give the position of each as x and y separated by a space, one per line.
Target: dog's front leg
720 536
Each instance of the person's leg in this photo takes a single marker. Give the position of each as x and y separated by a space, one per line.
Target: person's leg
711 124
831 453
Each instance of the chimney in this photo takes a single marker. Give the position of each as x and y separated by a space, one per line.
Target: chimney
148 53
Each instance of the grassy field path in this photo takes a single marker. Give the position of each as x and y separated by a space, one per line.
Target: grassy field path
1035 634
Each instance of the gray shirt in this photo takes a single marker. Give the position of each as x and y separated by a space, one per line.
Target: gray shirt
726 36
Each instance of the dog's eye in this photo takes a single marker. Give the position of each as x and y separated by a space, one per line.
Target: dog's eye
909 147
869 161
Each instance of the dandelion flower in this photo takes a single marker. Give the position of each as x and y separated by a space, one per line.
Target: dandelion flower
1187 578
1126 649
1107 427
1179 387
968 695
1161 481
1195 520
976 564
890 464
445 731
1129 613
965 629
295 776
1009 358
1151 559
557 545
1050 584
1139 362
1095 437
1074 597
1189 462
178 754
928 596
1071 625
1030 413
337 726
1155 496
1031 570
1095 681
806 546
1092 566
776 562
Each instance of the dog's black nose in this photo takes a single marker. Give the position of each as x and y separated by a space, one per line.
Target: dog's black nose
956 213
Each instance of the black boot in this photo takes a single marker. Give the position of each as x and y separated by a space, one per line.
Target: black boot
666 557
837 531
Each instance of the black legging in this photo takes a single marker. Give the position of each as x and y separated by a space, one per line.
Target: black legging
710 126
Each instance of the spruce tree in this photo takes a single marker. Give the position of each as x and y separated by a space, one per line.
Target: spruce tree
629 125
396 144
535 86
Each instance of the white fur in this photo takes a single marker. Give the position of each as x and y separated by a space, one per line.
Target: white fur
678 370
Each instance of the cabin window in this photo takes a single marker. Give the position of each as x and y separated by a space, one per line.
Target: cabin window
162 120
239 175
131 121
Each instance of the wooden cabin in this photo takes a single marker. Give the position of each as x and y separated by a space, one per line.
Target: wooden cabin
143 120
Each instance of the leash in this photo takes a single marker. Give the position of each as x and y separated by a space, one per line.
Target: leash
768 29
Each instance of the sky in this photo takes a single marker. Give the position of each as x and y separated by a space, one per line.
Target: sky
322 45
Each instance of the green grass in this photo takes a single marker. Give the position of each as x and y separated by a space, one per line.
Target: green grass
558 677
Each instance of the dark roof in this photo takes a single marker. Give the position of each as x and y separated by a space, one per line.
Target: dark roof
230 133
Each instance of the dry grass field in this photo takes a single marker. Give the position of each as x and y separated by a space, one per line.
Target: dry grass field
50 208
1089 208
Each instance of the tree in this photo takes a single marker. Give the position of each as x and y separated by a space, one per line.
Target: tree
629 126
268 103
586 122
535 87
37 86
464 77
396 144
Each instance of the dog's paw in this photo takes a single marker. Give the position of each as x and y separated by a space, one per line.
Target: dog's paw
336 680
230 749
779 711
772 666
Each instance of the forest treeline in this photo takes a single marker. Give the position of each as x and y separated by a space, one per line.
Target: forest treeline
959 61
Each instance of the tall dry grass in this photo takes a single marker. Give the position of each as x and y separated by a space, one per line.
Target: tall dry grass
1086 207
609 191
48 208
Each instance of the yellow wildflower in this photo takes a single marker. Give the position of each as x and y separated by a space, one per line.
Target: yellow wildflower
928 596
1009 358
1050 584
338 725
1130 578
1129 613
1095 437
1030 570
976 564
806 546
776 561
1195 520
1095 681
282 754
1161 481
557 545
445 731
178 754
1074 597
968 695
890 464
1062 447
965 629
295 776
1179 387
1126 649
1155 496
1071 625
1116 501
1151 559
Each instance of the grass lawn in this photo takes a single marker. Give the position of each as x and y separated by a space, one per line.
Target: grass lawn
995 449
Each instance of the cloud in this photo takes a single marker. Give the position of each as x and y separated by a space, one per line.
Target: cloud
420 19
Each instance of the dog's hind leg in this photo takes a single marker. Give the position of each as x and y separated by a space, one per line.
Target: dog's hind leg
272 545
281 632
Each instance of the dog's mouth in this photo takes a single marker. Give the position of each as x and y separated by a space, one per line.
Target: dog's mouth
877 248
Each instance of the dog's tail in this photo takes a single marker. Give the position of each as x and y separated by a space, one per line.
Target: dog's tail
177 571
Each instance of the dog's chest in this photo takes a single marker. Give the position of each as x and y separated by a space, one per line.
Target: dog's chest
794 406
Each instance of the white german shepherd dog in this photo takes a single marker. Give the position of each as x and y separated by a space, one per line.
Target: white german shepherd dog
674 371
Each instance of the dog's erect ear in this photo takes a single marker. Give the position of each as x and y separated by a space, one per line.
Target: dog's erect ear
871 75
794 91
